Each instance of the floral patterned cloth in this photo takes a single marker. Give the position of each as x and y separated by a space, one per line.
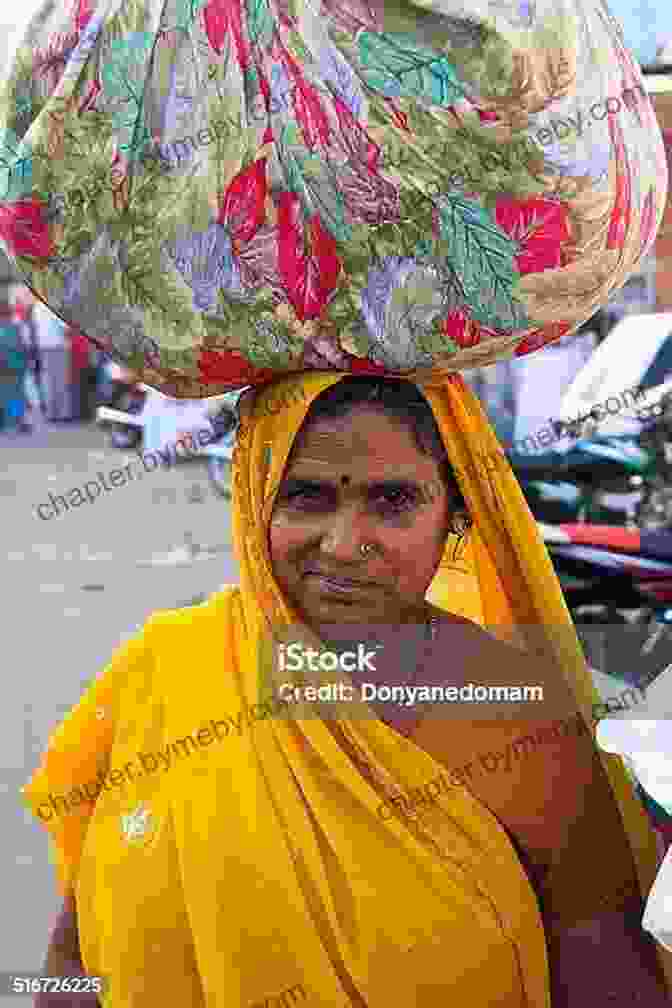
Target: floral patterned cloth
218 191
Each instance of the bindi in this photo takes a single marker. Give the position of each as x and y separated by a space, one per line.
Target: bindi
345 481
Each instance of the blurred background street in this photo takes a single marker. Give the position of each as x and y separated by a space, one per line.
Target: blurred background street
73 588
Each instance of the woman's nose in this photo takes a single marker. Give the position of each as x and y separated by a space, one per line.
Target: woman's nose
343 539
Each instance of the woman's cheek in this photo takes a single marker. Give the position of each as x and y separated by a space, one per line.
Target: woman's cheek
285 536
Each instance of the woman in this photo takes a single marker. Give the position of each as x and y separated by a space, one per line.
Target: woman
54 354
82 377
13 372
299 853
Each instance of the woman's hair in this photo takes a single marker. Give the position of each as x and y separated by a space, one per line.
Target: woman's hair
403 401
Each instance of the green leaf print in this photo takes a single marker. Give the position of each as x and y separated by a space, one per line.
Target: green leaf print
260 21
399 67
16 167
123 77
315 182
299 46
185 13
266 343
482 258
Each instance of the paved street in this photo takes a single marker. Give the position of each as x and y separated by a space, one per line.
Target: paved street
75 584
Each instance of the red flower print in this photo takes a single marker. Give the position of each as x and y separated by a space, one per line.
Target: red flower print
231 368
539 226
466 332
307 105
243 206
83 9
542 337
24 229
620 215
363 366
308 280
222 18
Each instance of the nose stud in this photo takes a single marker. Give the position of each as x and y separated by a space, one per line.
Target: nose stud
366 548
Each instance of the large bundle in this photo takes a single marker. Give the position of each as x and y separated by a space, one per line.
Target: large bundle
221 190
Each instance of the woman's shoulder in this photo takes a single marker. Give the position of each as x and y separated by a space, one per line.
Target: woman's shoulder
216 608
460 629
503 656
170 639
497 649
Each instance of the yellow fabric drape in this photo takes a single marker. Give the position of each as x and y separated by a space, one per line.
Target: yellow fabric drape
506 576
262 866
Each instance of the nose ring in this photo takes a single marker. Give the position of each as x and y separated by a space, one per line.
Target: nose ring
366 548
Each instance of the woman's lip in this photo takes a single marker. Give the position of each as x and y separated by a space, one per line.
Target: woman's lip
344 586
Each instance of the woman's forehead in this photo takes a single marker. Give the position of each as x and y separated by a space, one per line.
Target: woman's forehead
364 440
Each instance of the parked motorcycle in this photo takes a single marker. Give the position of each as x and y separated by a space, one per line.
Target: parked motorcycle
121 396
620 580
610 465
635 356
591 480
176 429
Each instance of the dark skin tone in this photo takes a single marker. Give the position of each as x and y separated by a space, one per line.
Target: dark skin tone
340 490
350 493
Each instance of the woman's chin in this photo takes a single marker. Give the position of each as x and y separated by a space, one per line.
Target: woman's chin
341 611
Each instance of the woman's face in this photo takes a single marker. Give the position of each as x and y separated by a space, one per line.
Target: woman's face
354 480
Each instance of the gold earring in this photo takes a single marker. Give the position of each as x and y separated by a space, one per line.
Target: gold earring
459 530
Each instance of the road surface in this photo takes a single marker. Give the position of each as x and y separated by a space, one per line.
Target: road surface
75 585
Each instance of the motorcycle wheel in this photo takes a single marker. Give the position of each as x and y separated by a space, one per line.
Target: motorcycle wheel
219 471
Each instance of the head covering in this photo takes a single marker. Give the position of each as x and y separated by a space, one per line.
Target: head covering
268 854
504 580
222 190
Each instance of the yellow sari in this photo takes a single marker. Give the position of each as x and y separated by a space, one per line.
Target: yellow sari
238 859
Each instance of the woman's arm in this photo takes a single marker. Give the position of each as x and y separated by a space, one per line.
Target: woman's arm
538 770
608 961
64 959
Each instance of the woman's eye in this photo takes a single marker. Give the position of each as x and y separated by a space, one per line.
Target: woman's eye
302 494
396 500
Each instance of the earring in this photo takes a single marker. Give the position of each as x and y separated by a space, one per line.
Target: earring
456 546
461 525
